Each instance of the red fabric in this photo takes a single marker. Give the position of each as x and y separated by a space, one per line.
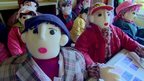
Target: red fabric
4 53
15 44
49 66
91 43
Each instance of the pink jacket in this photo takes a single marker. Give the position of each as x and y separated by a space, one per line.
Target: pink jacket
15 44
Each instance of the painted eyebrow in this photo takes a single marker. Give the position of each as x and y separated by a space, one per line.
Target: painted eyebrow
52 29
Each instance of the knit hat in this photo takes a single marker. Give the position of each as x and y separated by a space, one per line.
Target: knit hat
125 5
22 2
32 22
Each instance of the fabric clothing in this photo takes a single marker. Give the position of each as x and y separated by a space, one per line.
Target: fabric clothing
15 44
131 29
24 68
51 70
92 44
78 28
4 53
68 21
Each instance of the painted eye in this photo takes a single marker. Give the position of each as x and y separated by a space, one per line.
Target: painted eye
52 32
99 15
24 17
133 13
108 13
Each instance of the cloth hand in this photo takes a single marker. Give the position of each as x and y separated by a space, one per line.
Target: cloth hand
94 71
107 74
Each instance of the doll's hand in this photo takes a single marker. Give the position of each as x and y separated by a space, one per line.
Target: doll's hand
140 51
107 75
94 71
86 4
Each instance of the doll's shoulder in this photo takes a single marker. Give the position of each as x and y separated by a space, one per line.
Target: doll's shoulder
72 53
15 60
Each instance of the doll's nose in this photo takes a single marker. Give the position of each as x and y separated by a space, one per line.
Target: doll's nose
106 17
42 32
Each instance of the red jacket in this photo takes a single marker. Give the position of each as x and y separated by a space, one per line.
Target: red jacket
15 44
92 44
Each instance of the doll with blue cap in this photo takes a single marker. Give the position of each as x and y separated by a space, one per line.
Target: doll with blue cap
126 14
101 41
47 59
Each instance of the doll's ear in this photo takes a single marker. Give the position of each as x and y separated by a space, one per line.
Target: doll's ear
91 18
23 37
64 40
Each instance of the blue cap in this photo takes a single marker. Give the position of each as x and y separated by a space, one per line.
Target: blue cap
29 23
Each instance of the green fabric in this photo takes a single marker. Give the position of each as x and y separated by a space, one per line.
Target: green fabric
19 24
120 1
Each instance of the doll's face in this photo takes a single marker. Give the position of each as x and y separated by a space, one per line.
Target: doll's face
24 17
44 44
130 15
31 4
67 9
102 18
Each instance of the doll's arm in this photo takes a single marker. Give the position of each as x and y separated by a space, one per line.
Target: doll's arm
14 43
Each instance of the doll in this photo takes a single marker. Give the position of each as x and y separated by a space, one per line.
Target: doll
15 44
28 3
101 40
81 4
47 59
65 13
79 25
126 13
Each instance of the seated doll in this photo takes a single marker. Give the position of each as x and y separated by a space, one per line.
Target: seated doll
47 59
79 25
65 13
15 44
27 3
101 41
126 13
4 52
81 4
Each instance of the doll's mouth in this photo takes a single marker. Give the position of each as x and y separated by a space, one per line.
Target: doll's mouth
42 50
105 24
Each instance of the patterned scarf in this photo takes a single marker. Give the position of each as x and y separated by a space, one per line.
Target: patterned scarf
106 32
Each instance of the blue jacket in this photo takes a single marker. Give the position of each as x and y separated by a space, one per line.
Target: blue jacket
131 29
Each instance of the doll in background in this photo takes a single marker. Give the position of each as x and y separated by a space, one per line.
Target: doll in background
101 41
27 3
15 44
47 59
81 4
126 13
65 13
4 52
79 25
